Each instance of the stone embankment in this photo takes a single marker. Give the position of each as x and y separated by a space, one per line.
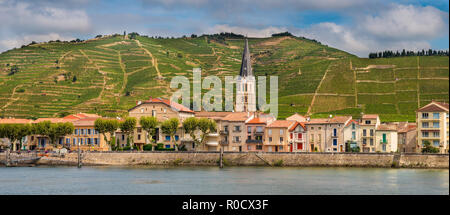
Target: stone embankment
386 160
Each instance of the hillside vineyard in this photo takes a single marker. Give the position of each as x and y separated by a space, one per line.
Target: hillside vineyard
108 75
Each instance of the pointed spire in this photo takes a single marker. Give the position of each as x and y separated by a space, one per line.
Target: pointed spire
246 66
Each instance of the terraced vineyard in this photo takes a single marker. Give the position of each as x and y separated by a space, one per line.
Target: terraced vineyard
108 75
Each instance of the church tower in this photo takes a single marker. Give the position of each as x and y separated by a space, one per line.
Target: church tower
245 84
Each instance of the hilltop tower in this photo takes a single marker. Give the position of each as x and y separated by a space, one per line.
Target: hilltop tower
245 84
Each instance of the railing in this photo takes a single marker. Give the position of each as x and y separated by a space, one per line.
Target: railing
237 130
253 141
383 141
224 132
224 142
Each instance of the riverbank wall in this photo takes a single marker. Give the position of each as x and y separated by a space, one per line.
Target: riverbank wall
385 160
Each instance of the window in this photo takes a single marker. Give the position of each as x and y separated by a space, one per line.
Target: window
270 139
89 131
123 137
259 128
281 148
371 132
384 147
74 142
249 147
154 113
96 141
68 140
236 139
367 122
436 143
424 124
300 146
281 139
81 141
424 134
249 129
353 135
424 115
371 142
167 146
364 141
270 131
319 137
384 138
364 132
259 147
249 137
334 142
334 149
435 115
225 127
177 137
334 132
312 128
299 136
312 137
292 135
139 137
436 134
237 128
76 131
353 126
281 131
167 138
435 124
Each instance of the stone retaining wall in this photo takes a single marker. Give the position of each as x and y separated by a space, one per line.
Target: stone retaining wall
254 159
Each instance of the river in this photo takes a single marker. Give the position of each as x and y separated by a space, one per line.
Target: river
230 180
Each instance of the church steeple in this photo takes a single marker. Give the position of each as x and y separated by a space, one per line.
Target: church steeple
246 66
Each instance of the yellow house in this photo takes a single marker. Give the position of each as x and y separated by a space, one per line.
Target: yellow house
432 125
277 136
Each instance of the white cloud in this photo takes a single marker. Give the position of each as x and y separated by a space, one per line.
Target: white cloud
399 27
407 21
19 41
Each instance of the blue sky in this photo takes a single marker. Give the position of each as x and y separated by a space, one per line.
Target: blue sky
356 26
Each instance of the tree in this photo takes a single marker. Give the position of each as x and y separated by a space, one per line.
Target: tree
203 126
127 127
53 131
149 124
107 126
428 148
170 128
14 133
14 69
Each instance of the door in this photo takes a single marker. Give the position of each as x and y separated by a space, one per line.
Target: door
240 148
341 148
300 146
312 147
276 148
291 147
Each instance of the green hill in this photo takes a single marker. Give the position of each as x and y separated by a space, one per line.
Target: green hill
108 75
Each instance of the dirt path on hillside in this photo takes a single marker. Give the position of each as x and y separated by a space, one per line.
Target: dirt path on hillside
418 78
317 90
154 60
101 72
125 76
11 98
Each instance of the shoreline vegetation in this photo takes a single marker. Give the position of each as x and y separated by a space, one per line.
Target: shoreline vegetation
267 159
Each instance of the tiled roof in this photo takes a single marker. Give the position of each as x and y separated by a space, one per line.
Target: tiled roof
369 116
350 122
211 115
53 120
15 121
297 117
387 127
81 116
297 124
257 121
281 124
236 117
85 122
340 119
435 107
317 121
405 127
167 102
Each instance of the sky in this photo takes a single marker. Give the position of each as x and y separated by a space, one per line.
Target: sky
356 26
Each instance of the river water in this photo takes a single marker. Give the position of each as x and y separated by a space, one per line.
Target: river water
230 180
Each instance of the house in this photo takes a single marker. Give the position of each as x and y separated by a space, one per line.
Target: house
162 109
4 142
277 136
85 136
368 126
432 125
232 131
386 138
352 136
212 140
297 138
334 133
407 137
315 128
255 128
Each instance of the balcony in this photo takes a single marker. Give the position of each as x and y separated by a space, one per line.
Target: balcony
237 131
254 141
224 142
383 141
259 132
224 132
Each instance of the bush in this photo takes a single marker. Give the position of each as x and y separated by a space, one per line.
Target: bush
278 163
428 148
147 147
126 148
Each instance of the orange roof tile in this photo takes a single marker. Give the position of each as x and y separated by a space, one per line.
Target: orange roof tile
434 107
53 120
236 117
340 119
15 121
257 120
387 127
369 116
281 124
167 102
296 117
297 124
